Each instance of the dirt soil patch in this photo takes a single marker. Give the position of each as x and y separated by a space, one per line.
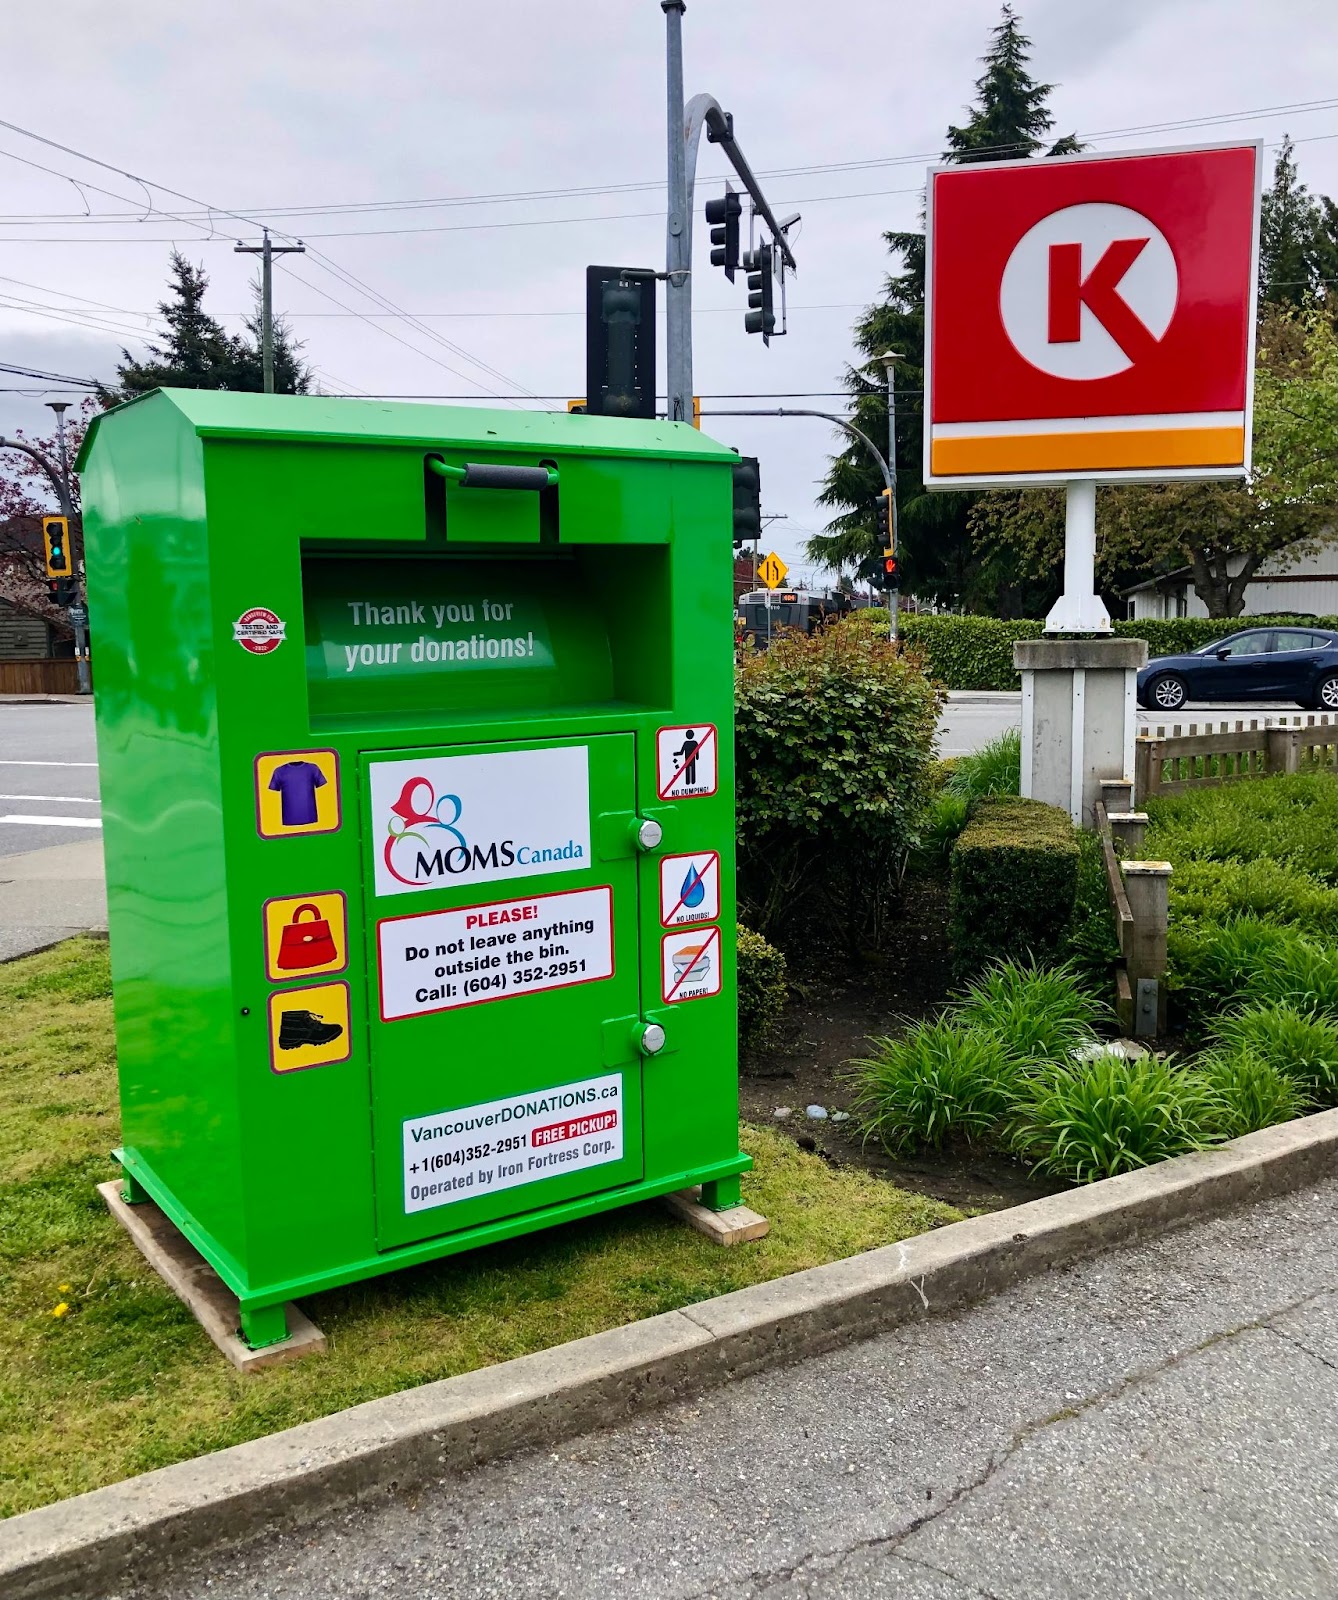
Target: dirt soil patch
836 1006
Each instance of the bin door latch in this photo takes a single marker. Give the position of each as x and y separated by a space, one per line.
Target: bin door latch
622 833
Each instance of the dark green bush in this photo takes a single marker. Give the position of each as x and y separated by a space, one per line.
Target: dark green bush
834 744
762 984
1014 877
977 652
1091 946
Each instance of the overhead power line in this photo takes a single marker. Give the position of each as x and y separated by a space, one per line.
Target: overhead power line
574 191
324 261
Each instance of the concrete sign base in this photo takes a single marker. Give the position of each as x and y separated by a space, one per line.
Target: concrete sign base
1079 718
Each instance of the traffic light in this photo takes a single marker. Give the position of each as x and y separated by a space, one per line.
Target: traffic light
723 215
747 501
884 512
888 575
620 341
61 591
577 407
761 315
56 538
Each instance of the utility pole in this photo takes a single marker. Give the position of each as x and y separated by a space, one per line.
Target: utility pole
889 358
267 251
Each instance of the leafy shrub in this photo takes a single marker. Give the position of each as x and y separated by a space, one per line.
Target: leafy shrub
1092 946
1301 1046
1276 891
977 652
834 748
1014 876
1037 1013
944 820
937 1081
762 985
1096 1118
1289 819
1248 1092
996 768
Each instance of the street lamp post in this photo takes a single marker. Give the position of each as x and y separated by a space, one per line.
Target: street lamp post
889 359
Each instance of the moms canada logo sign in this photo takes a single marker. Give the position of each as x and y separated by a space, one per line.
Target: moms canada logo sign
439 821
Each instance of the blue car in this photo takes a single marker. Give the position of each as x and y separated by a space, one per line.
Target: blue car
1296 663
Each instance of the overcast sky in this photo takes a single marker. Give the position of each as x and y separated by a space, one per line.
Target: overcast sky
264 106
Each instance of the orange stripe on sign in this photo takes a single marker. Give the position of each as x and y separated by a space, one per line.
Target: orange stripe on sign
1077 452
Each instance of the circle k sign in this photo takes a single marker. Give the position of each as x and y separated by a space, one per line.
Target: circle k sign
1091 316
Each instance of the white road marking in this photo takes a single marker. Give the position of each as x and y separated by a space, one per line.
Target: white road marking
4 763
51 822
65 799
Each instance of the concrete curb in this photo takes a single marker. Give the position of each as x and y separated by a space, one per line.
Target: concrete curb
84 1546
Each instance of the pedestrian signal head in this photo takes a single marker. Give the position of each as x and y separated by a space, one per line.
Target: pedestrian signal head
889 572
56 538
747 501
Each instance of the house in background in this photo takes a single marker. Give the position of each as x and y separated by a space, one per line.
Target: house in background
1282 586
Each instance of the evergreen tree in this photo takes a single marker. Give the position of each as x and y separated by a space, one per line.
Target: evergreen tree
197 352
291 373
1010 119
1298 239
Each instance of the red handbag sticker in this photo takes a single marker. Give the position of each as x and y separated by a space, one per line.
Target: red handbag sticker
306 934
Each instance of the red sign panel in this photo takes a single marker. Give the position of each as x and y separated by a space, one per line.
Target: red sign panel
1091 316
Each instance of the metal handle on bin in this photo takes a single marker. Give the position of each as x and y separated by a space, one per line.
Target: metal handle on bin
486 475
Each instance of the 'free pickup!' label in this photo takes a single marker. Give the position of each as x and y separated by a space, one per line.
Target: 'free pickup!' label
439 960
456 1155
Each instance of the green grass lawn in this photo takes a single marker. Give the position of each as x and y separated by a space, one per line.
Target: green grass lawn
123 1380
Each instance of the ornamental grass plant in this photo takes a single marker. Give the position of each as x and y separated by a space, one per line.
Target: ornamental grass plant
1093 1119
1038 1013
1249 1092
939 1081
1300 1045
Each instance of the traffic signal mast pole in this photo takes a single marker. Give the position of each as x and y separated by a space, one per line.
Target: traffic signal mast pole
685 126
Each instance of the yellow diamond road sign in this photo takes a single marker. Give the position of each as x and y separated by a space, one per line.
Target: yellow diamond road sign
771 570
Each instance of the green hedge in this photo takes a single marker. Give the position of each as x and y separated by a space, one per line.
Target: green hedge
762 985
977 652
1014 879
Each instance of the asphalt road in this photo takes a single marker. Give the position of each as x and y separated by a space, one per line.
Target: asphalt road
972 720
1157 1422
48 775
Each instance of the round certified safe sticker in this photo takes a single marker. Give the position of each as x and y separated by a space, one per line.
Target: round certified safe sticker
258 630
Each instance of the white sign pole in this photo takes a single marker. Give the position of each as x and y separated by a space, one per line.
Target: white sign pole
1079 609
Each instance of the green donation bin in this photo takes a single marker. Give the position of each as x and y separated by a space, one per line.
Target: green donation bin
415 738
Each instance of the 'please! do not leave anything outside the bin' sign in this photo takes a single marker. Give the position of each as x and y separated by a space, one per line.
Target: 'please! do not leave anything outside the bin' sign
1091 317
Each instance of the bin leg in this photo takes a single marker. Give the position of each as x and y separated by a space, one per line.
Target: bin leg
264 1325
721 1193
133 1191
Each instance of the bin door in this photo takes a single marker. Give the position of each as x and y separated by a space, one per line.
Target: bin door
503 964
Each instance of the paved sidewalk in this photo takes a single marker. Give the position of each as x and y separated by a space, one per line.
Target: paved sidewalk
52 894
1160 1422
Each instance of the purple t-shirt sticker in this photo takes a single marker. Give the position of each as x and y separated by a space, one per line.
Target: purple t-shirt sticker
296 783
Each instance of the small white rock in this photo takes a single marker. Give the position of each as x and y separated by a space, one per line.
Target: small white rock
840 1116
781 1112
816 1113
